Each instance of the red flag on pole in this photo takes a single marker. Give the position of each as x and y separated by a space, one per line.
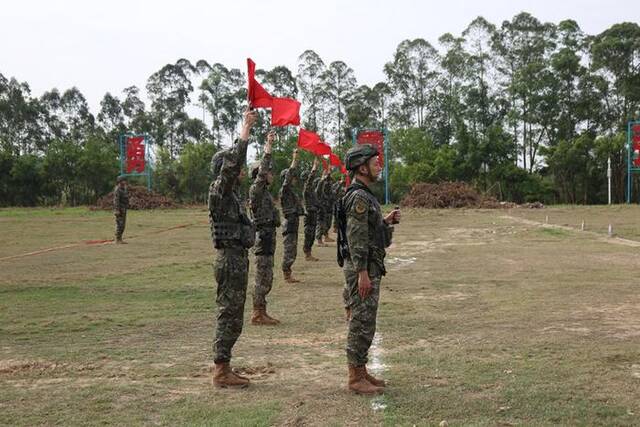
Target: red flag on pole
310 141
285 111
258 96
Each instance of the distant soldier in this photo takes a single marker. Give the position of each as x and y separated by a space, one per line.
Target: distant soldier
233 234
120 206
363 235
291 210
311 207
330 201
266 217
323 193
338 191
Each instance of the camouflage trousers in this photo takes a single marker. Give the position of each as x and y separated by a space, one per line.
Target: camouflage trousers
121 220
328 219
322 223
310 224
264 279
290 241
362 326
231 270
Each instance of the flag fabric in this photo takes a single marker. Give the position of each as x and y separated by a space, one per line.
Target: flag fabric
285 111
310 141
334 160
257 95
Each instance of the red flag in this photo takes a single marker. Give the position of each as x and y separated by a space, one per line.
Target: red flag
323 149
258 96
335 160
308 140
285 111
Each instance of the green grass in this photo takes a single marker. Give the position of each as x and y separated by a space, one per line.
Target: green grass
485 319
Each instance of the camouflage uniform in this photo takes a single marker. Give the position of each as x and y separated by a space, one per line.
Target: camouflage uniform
233 234
338 193
266 217
311 207
367 236
120 206
291 210
323 193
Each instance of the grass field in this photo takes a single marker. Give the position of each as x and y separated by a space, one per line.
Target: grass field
486 318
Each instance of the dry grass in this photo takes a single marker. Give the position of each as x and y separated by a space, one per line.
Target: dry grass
484 320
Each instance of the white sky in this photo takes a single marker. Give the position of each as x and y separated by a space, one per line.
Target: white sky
107 46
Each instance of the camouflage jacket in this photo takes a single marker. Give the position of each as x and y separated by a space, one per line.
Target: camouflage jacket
289 200
323 191
309 193
231 227
367 233
120 200
338 190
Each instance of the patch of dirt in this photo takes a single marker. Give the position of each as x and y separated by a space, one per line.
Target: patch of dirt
450 195
139 198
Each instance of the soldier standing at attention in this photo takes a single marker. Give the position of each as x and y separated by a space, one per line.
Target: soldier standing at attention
292 210
321 194
233 235
311 207
338 191
120 206
266 217
363 235
330 197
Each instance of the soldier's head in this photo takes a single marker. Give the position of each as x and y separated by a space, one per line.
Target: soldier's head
122 181
216 163
255 168
362 161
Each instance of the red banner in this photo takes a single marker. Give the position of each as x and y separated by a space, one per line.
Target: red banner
135 154
375 138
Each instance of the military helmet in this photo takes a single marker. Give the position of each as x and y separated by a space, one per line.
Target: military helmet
359 155
255 168
121 178
216 163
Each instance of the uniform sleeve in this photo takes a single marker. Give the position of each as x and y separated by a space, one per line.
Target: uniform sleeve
264 168
358 232
232 165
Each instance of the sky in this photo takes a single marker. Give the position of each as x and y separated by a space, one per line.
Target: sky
101 46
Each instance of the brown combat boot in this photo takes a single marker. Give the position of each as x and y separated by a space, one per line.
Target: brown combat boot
260 317
359 384
223 377
309 257
373 380
288 277
321 242
328 239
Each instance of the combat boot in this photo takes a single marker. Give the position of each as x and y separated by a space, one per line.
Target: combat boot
260 317
223 377
288 277
373 380
328 239
309 257
321 242
359 384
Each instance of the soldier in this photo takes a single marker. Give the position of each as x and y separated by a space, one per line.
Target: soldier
338 191
266 217
323 193
363 235
233 235
311 207
330 198
120 206
292 210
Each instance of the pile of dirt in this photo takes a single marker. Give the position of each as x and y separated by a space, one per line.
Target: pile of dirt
139 198
450 195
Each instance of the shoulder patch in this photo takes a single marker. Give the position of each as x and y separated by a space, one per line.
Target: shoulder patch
360 206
